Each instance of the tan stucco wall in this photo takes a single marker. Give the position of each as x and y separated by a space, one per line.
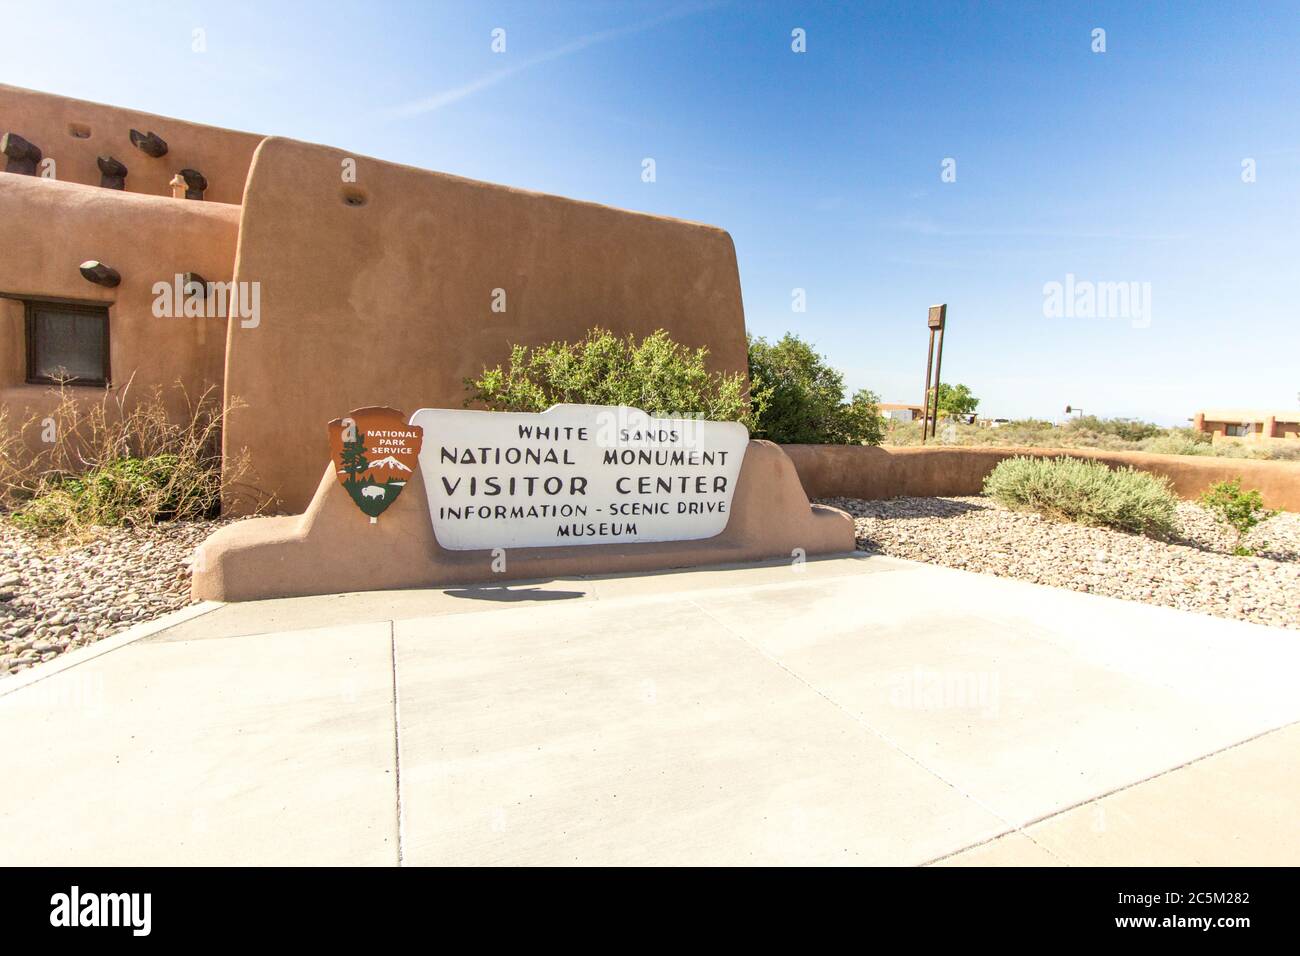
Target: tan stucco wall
389 303
333 547
856 471
50 228
44 119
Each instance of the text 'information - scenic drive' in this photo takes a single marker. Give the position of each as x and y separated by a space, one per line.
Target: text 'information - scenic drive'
576 474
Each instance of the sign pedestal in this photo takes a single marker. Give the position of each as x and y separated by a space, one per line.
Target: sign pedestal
332 549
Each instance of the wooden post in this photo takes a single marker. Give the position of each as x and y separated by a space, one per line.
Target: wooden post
925 396
938 369
936 320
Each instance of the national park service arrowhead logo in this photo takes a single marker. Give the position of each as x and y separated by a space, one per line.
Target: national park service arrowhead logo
375 453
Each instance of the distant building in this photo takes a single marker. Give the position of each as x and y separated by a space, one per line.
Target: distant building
1249 424
900 412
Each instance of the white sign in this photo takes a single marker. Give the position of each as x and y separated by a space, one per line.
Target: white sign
576 474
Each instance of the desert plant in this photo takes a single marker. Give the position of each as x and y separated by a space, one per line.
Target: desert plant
1125 429
1086 492
804 397
1027 431
113 461
1240 511
955 401
862 424
655 374
1079 433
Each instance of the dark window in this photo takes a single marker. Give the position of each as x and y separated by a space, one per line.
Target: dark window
67 343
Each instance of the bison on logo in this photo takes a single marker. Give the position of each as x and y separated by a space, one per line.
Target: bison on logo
375 453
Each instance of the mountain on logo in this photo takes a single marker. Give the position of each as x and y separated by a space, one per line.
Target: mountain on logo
389 462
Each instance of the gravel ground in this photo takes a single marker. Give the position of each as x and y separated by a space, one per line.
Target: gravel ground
1196 572
54 600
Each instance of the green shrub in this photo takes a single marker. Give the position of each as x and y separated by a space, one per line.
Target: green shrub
1080 433
119 460
655 374
1257 450
804 398
955 401
1175 444
1238 510
1086 492
1125 429
126 491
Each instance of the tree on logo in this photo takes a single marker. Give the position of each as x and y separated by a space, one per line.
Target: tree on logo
353 458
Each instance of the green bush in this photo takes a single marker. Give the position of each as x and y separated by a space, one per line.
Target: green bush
1079 433
1239 510
124 460
804 398
1125 429
1175 443
125 491
655 374
1086 492
955 401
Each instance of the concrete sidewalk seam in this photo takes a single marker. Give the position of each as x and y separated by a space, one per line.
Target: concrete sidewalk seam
1109 793
879 734
397 745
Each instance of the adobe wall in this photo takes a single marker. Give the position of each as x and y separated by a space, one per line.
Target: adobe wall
389 301
856 471
46 120
333 547
50 228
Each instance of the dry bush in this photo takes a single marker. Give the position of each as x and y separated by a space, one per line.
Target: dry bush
1079 433
116 462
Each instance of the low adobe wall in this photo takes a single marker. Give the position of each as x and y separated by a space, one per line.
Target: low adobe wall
381 291
334 548
858 471
49 122
50 228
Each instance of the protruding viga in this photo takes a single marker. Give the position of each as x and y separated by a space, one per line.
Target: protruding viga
151 144
195 183
23 156
95 271
112 173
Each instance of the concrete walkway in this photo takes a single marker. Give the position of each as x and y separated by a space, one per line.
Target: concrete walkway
856 710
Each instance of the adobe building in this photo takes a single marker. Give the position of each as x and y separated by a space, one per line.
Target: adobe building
1249 424
305 281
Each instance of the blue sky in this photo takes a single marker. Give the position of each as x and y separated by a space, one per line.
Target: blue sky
1122 166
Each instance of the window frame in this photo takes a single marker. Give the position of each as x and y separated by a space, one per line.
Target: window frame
100 310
